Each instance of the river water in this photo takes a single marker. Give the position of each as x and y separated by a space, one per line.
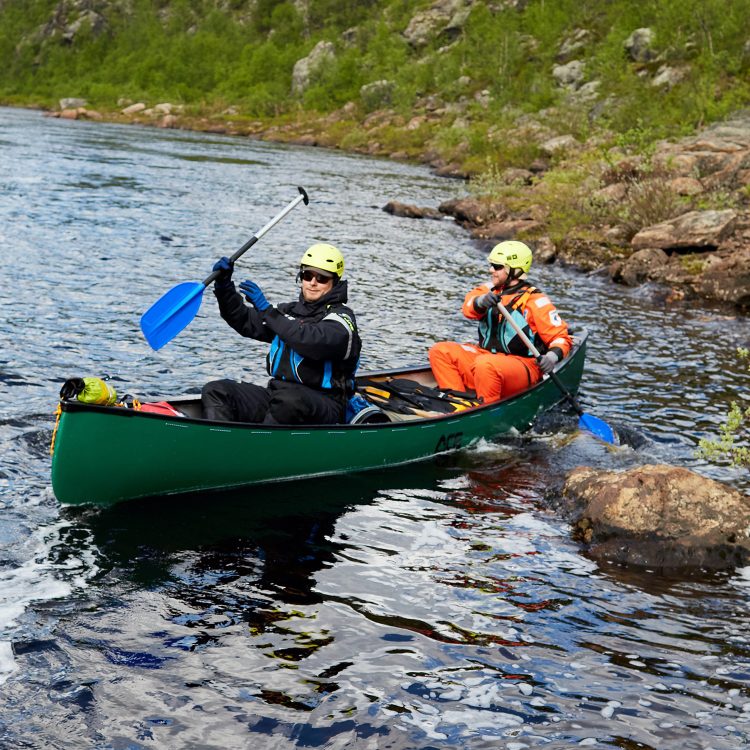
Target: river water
437 606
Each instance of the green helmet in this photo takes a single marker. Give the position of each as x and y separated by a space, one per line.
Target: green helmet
325 257
511 253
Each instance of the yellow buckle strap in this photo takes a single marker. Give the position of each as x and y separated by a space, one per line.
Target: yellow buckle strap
58 414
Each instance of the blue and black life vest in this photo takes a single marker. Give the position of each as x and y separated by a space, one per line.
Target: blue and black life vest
287 325
284 363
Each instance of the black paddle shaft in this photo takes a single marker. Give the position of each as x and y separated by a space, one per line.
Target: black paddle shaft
565 392
301 197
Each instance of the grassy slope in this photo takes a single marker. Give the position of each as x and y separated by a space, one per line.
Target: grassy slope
195 54
482 100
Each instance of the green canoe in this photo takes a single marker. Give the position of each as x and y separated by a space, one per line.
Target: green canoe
164 455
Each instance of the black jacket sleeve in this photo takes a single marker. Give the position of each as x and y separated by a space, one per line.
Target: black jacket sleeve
246 320
332 338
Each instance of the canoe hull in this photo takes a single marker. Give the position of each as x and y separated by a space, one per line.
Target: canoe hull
151 455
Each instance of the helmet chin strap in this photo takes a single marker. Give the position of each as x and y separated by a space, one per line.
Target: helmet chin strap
514 275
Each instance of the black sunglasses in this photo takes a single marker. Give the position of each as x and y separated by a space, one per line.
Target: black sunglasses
497 266
310 275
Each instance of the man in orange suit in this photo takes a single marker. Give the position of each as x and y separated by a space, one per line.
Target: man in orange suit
501 365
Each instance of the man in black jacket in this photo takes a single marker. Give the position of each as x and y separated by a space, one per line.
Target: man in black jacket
314 347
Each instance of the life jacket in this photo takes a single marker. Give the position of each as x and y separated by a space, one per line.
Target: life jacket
497 335
336 377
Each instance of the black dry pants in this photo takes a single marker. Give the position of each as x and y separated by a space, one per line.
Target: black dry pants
279 403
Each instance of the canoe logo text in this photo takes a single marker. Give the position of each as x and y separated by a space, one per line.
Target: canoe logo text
449 442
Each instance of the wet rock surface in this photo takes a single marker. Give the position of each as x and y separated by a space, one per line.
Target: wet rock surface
657 516
411 212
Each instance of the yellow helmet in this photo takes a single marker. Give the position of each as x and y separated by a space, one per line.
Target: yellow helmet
511 253
325 257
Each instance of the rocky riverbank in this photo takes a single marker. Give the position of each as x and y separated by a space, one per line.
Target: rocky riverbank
657 517
698 188
701 184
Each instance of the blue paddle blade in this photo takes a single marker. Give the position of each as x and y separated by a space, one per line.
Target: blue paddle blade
597 427
171 313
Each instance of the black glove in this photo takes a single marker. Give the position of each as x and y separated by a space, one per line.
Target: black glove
486 301
547 362
71 388
225 267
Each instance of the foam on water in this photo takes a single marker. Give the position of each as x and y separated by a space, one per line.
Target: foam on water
742 577
38 579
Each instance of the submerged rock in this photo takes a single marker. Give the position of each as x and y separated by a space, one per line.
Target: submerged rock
411 212
658 516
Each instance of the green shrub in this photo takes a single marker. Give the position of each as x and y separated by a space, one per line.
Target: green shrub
649 200
733 443
692 265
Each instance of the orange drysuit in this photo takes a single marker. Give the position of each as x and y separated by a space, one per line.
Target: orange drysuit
501 364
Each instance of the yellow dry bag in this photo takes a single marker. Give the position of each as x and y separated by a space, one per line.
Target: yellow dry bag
89 391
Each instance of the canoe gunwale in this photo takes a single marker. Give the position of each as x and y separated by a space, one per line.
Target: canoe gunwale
77 406
182 455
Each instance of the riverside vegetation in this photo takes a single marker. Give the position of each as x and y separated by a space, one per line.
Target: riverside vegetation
594 130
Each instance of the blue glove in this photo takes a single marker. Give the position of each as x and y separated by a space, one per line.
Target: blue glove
547 362
225 267
254 295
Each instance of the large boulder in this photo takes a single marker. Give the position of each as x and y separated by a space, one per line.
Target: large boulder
507 229
471 212
718 156
727 278
134 109
67 20
89 19
442 15
72 102
641 266
693 229
658 516
573 44
668 77
410 211
570 74
560 144
304 70
639 45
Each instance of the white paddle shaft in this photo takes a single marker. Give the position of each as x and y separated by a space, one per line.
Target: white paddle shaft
504 310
